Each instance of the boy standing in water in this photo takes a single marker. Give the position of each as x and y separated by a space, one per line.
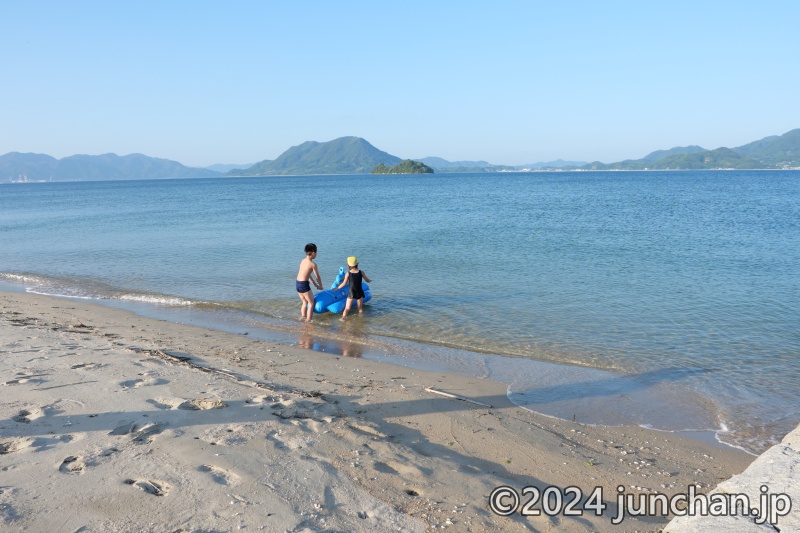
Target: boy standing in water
354 277
304 275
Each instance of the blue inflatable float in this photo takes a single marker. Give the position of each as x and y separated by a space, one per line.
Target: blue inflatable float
334 299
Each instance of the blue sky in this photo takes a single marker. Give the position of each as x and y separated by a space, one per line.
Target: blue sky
509 82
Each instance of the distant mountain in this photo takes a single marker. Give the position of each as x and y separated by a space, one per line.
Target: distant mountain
16 166
346 155
708 159
354 155
223 168
558 163
439 163
778 150
678 150
442 165
721 158
406 167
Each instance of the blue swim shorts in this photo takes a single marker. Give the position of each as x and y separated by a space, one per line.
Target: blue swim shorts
302 286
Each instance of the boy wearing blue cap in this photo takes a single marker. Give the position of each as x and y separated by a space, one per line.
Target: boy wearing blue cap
354 277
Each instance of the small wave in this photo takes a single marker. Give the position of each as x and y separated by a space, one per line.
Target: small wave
57 294
157 299
89 289
57 286
20 278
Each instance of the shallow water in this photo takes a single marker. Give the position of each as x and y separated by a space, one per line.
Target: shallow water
653 287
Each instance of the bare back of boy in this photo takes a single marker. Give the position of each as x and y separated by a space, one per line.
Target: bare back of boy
307 267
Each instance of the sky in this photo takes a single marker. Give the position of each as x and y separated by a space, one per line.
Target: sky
508 82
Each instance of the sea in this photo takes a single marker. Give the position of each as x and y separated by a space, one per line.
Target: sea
665 299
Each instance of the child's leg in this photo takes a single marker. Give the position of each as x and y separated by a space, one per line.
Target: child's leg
347 305
310 310
303 304
307 308
360 303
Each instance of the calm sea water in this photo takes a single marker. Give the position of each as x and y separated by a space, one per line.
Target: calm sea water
670 299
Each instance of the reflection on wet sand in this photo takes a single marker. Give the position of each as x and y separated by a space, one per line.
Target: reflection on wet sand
305 341
350 349
345 348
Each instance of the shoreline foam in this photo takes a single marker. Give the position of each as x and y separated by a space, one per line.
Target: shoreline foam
151 425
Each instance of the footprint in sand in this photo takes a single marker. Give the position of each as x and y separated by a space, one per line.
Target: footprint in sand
220 475
166 403
292 439
315 408
405 469
15 445
27 377
202 404
384 468
150 486
124 428
72 465
18 381
232 435
142 434
258 400
147 382
87 366
26 416
147 433
108 452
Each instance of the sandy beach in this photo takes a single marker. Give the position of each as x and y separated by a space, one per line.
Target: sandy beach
115 422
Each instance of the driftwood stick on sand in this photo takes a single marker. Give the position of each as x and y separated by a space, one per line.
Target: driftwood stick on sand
456 397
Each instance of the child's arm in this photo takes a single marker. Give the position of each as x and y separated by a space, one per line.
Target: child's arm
345 281
365 277
318 283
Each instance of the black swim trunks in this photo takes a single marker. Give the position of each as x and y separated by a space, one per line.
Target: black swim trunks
302 286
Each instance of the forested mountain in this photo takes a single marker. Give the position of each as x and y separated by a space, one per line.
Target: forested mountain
777 151
16 166
719 158
346 155
707 159
678 150
406 167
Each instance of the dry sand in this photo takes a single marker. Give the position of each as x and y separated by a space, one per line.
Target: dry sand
114 422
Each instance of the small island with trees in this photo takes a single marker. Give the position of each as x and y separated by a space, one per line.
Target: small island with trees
406 167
